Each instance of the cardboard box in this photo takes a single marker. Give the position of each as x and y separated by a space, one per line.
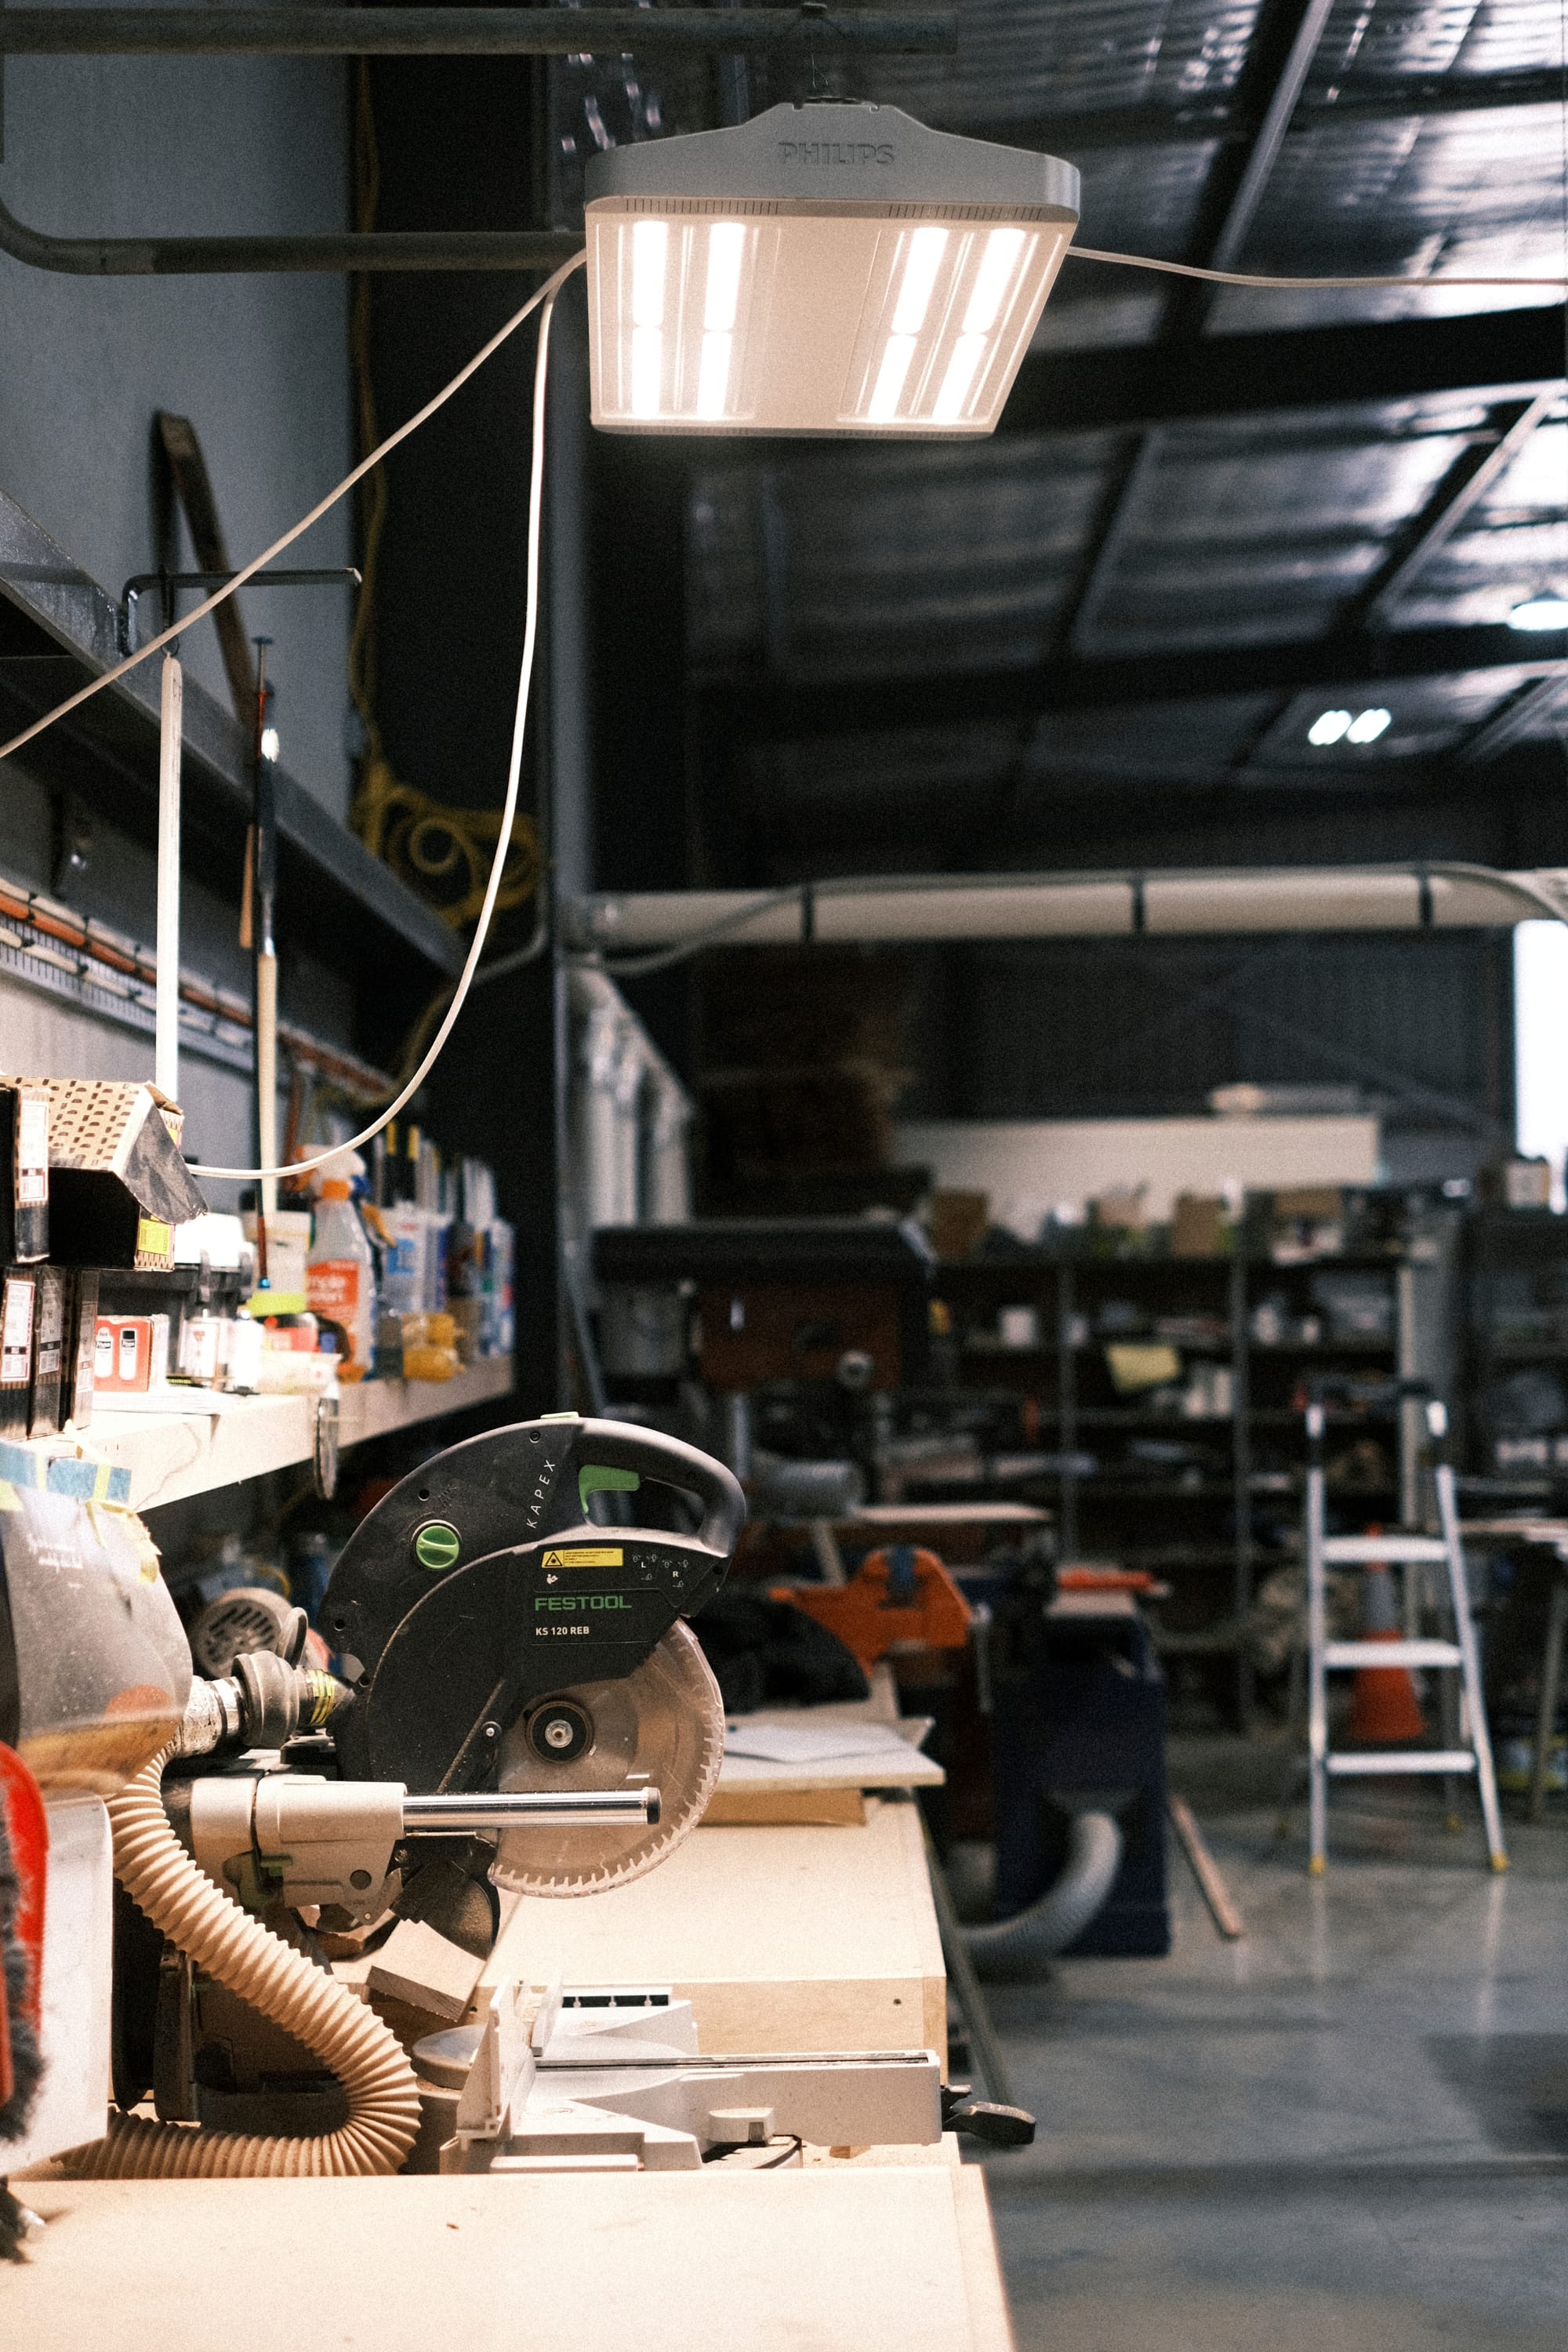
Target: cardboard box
957 1223
19 1301
118 1186
24 1173
76 1391
1199 1226
51 1313
130 1354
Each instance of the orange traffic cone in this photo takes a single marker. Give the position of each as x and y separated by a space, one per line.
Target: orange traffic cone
1384 1711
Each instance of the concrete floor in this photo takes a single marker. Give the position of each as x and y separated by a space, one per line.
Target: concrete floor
1347 2133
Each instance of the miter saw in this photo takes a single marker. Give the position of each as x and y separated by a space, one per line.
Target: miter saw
519 1704
496 1638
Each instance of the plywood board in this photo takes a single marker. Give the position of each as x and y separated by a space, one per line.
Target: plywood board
793 1938
875 2260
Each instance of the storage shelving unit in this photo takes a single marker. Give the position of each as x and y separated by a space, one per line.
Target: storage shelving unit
1516 1268
1197 1511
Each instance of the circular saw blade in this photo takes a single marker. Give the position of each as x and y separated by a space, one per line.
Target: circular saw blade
662 1725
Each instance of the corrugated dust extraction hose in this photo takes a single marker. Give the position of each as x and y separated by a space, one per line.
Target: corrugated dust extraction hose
1020 1946
229 1944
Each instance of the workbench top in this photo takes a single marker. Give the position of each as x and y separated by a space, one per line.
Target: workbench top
895 2259
783 1937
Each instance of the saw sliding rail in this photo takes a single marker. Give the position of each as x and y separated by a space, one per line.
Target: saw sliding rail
293 31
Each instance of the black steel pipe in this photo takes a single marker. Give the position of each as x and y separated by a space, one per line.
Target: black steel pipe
462 32
522 251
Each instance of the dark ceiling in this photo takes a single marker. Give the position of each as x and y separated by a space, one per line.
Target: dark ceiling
1208 517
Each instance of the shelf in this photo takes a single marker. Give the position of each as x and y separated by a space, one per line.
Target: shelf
1130 1417
172 1456
1152 1490
1323 1346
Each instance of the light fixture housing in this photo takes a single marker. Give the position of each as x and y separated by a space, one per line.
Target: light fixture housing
826 268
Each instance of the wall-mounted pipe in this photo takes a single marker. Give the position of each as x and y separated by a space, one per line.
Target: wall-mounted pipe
297 32
637 931
530 251
293 31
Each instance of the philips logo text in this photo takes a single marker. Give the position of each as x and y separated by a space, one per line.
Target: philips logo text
829 153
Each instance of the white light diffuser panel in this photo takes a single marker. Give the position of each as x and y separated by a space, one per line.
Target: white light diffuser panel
826 268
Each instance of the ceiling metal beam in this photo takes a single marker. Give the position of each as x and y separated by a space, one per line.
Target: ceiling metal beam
762 711
1488 354
1231 197
1381 98
310 31
1076 625
1237 180
1465 484
1518 717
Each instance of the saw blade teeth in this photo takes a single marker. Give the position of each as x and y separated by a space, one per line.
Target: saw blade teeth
662 1724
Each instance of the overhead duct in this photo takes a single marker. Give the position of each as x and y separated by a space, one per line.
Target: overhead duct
907 908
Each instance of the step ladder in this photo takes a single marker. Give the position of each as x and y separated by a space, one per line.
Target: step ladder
1468 1747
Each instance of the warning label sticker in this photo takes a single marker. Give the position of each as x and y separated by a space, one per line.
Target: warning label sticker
586 1556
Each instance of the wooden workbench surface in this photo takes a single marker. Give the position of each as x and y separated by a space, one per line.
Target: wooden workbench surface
874 2261
782 1937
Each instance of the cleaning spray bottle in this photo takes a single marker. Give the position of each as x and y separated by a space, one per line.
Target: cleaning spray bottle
341 1271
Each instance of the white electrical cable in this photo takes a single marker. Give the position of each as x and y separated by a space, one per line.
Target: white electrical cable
1295 285
546 294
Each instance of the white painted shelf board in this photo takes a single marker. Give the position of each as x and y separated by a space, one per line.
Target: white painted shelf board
176 1454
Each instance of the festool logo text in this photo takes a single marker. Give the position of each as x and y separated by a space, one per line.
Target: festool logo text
855 151
571 1603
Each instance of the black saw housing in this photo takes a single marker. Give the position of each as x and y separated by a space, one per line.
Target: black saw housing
479 1585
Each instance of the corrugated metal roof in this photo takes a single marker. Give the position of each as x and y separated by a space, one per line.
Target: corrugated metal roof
1239 532
894 560
1019 58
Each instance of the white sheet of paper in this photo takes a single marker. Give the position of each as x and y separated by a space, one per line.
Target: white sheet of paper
812 1743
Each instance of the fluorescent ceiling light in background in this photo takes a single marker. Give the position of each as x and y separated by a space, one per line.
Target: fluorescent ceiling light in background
1344 725
824 268
1547 610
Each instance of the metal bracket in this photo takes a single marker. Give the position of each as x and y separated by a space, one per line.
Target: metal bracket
170 583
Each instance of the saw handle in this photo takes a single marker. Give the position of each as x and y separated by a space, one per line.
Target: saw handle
669 1462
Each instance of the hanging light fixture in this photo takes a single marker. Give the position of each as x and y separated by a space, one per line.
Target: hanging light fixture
828 267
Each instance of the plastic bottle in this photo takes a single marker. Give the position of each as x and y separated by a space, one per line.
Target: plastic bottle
340 1276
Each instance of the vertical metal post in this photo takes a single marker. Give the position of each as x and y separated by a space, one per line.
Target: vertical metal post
1066 1412
1241 1478
1551 1683
1408 1361
166 1015
1317 1635
1479 1737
